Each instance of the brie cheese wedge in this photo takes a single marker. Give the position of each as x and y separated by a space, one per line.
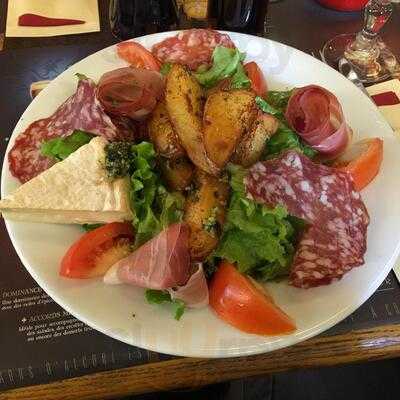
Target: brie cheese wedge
76 190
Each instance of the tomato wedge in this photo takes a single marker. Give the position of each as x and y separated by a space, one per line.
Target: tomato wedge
239 302
138 56
96 251
258 82
362 161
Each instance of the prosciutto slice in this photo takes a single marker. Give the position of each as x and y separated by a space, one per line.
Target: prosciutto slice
130 92
195 293
316 115
80 111
161 263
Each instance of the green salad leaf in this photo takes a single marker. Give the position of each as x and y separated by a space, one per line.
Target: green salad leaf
91 227
226 62
269 109
165 68
153 206
160 296
240 80
275 103
258 239
60 148
285 139
279 99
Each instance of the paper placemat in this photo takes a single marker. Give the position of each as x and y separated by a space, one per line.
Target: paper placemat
86 10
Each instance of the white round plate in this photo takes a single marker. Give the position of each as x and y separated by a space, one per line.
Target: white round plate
200 333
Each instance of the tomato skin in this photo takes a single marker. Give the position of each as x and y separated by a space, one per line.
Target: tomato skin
364 167
258 82
80 259
138 56
239 302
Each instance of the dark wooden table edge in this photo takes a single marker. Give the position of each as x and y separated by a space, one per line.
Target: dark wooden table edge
323 351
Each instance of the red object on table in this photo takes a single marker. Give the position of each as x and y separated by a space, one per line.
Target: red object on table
385 99
344 5
40 20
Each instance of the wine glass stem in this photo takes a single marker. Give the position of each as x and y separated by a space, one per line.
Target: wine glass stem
376 14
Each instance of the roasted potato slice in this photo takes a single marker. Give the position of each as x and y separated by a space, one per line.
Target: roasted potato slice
162 133
251 147
205 214
178 173
184 100
227 115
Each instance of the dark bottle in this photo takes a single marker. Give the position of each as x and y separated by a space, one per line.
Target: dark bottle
132 18
247 16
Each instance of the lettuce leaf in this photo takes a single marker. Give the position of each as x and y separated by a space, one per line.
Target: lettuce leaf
269 108
258 239
60 148
285 139
160 296
226 62
165 68
153 207
90 227
239 79
279 99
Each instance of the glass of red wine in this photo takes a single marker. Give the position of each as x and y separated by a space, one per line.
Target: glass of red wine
133 18
241 15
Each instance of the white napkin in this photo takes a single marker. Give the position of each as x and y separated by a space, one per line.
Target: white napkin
86 10
390 112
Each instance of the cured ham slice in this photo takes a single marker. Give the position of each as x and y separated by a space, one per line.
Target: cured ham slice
335 242
195 293
130 92
80 111
316 115
193 47
161 263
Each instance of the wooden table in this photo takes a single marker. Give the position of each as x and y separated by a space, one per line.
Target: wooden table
305 25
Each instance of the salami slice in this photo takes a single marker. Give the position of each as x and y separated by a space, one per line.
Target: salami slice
193 47
326 199
127 129
80 111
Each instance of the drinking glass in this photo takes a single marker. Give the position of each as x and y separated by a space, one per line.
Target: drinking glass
132 18
366 52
